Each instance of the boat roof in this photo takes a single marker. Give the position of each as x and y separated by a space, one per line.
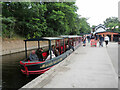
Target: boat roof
69 36
72 36
44 39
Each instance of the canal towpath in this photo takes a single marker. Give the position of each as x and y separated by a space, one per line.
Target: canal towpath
89 67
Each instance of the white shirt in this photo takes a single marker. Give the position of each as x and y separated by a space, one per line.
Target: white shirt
106 38
48 58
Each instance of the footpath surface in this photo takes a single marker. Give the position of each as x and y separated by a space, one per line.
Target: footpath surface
113 53
89 67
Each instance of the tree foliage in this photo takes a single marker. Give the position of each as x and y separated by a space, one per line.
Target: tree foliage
113 24
37 19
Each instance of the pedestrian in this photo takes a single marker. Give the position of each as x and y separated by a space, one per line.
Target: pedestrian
106 40
101 39
92 36
84 40
88 38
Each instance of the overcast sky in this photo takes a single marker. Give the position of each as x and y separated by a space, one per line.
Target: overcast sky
97 10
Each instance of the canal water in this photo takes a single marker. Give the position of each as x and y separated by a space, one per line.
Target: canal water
12 77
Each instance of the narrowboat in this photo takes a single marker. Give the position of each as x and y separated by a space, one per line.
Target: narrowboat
38 67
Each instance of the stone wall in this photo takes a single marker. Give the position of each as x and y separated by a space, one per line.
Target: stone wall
13 46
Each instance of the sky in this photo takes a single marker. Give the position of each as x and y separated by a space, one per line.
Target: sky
97 10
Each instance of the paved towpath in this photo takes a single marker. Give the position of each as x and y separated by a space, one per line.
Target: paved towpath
88 67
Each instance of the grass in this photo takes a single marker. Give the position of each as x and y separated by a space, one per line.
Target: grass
15 37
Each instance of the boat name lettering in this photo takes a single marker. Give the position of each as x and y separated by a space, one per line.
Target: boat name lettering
57 61
43 66
49 64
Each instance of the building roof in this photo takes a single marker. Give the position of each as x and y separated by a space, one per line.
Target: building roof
100 26
108 32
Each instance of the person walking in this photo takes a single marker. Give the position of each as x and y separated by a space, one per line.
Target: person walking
88 38
106 40
84 40
101 39
92 36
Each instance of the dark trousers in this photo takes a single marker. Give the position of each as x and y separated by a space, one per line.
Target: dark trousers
106 42
101 43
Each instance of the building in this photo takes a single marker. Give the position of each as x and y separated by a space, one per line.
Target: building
101 30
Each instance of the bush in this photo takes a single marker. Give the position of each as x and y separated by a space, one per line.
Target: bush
8 25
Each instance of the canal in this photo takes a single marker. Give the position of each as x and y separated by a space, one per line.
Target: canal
12 77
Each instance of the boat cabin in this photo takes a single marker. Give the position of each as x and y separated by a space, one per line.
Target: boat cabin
49 39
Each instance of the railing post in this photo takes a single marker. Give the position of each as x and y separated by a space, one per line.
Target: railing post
25 49
63 45
50 49
38 44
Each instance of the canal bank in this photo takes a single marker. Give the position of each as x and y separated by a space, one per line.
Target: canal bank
89 67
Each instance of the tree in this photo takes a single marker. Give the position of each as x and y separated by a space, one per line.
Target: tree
38 19
112 23
60 17
84 26
8 26
30 21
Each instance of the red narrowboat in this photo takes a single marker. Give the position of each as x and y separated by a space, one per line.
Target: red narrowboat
38 67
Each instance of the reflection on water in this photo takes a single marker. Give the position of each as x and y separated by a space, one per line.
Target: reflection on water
12 77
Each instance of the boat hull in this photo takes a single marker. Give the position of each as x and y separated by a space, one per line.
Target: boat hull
36 67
